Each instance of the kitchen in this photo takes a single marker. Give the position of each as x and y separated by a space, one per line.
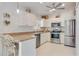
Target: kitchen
26 26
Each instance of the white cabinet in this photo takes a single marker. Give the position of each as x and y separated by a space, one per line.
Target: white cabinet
45 37
27 48
46 23
62 37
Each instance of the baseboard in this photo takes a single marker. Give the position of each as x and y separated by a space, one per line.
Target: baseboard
70 46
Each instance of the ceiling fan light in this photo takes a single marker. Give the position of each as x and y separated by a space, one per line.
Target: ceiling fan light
63 4
52 10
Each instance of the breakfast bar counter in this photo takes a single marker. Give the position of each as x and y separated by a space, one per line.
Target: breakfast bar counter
22 36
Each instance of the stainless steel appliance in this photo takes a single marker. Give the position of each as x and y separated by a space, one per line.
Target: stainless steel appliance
37 40
55 34
55 37
70 32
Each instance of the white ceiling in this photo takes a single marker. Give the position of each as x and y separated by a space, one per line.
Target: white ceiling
40 9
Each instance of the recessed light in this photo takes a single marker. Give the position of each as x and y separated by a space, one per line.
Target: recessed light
52 10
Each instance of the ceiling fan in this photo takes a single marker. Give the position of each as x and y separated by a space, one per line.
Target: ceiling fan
56 6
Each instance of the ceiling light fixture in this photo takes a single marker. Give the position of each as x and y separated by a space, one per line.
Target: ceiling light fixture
52 10
63 4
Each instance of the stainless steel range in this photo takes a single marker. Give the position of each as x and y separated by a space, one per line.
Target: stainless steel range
55 34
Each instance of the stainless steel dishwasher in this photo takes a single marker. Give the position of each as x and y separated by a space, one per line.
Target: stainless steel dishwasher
37 40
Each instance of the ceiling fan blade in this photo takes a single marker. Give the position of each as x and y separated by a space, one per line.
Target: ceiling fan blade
60 8
49 7
53 4
58 5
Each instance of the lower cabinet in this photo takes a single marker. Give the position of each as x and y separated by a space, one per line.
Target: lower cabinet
27 48
62 38
44 37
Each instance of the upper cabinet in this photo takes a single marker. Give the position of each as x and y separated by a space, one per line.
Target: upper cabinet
27 18
21 18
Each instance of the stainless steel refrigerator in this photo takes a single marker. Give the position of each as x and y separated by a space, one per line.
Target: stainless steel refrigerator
69 39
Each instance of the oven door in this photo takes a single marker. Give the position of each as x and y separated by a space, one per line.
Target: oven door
55 37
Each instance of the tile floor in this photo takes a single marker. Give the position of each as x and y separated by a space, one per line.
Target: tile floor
52 49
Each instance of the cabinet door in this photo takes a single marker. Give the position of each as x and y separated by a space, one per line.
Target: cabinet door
45 37
28 47
62 37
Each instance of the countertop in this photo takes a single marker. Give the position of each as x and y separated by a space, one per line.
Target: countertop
22 36
24 33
